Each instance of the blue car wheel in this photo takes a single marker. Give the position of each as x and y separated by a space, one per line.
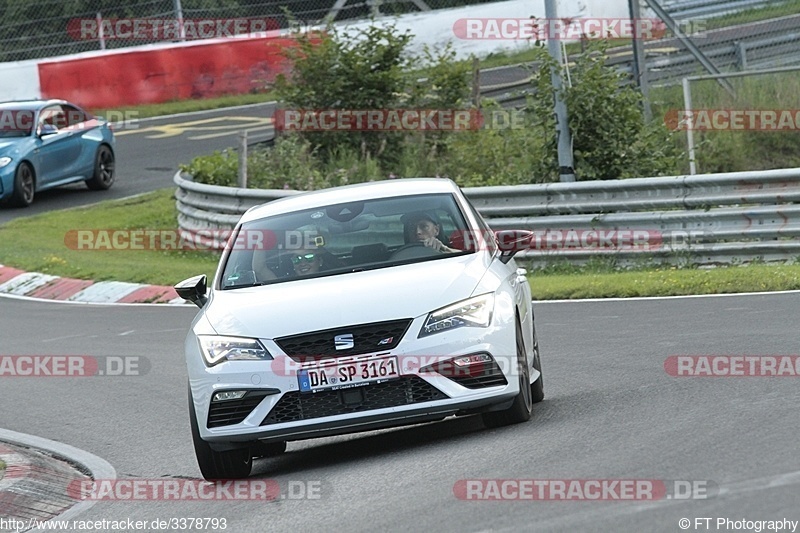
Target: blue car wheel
24 186
103 176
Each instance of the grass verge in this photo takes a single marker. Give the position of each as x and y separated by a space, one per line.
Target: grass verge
664 281
187 106
37 243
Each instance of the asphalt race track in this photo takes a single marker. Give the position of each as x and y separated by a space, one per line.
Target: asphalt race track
150 151
611 412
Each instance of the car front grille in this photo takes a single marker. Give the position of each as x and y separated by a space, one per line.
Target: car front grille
366 338
229 412
296 406
478 376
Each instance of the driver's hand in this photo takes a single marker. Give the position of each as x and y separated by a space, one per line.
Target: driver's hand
433 242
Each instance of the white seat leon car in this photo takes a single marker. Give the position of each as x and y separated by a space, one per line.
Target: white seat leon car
357 308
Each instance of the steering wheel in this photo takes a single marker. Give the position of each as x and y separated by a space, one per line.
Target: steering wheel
414 250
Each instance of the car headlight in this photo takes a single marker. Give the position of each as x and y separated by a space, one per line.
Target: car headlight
4 161
475 312
218 349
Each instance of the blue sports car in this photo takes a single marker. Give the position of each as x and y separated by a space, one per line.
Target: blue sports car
47 143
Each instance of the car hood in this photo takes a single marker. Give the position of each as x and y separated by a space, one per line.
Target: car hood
6 145
288 308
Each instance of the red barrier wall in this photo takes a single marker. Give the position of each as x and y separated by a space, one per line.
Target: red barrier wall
236 66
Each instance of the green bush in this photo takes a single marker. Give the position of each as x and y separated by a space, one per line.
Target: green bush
348 70
370 70
610 137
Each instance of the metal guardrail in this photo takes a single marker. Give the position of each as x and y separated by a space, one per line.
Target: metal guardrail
702 219
204 211
705 9
769 43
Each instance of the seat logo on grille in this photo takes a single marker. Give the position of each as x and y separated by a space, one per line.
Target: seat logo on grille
344 342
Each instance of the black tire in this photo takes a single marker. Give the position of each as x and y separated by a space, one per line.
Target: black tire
234 464
103 177
537 387
24 186
521 409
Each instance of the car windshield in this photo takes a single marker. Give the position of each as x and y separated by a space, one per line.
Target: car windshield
16 123
349 237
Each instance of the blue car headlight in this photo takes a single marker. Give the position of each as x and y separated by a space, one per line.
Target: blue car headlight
474 312
217 349
4 161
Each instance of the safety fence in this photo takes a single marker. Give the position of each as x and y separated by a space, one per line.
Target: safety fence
703 219
771 43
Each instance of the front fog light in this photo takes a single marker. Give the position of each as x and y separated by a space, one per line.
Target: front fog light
224 396
4 161
469 360
218 349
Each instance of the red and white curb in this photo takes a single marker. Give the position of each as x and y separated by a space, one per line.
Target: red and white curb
34 485
45 286
13 468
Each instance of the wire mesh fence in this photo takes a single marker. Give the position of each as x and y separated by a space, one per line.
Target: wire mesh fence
34 29
753 126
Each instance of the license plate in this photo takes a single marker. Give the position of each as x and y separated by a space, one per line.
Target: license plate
348 375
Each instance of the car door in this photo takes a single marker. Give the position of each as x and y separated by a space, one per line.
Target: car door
82 124
57 147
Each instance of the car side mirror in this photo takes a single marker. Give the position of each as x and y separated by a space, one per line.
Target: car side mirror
511 241
47 129
194 290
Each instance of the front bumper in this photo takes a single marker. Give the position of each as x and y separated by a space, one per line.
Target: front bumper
421 395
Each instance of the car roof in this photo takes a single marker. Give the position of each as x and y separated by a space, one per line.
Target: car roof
352 193
30 105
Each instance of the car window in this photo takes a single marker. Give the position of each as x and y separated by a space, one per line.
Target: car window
488 239
74 116
16 122
53 116
342 238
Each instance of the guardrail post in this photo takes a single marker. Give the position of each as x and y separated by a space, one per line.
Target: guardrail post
179 17
640 60
242 174
100 35
476 82
687 104
741 55
566 169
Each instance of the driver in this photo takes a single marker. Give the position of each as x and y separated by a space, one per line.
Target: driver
424 228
